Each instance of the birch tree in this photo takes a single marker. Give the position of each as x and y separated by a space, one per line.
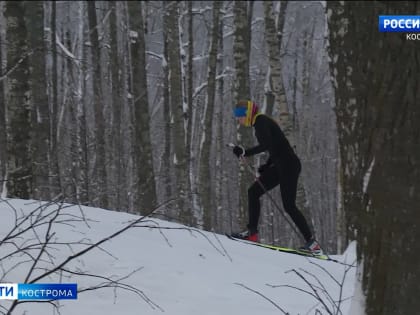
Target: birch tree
274 37
220 216
206 165
178 155
377 88
286 116
241 53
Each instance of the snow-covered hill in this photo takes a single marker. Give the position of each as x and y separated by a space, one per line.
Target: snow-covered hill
163 267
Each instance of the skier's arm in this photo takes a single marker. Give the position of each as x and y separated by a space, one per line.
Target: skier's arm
264 141
254 150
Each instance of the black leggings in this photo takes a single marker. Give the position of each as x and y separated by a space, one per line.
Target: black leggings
287 177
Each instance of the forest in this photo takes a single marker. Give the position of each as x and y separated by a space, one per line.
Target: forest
127 105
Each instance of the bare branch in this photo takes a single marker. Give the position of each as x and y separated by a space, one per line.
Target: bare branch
36 247
264 297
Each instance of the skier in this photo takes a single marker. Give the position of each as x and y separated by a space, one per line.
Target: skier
282 167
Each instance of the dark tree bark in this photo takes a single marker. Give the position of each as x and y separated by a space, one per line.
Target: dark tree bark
117 104
40 111
100 168
206 165
146 186
189 93
3 139
55 182
19 155
377 88
165 162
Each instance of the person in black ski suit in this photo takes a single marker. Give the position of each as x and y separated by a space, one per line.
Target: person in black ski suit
282 167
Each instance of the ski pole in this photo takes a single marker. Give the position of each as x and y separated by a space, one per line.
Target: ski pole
251 170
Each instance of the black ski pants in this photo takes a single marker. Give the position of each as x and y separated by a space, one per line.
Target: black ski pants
287 176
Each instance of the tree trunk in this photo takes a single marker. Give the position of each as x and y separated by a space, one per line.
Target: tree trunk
241 54
117 143
146 187
40 114
100 168
274 38
221 212
165 159
19 166
55 182
81 167
3 139
206 165
377 93
189 112
177 117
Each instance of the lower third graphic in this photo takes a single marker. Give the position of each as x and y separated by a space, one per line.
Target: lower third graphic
38 291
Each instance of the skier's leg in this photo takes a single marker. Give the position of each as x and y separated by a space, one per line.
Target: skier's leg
269 179
288 187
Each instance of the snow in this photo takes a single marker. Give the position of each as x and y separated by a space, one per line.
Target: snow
4 188
178 270
366 178
359 300
66 51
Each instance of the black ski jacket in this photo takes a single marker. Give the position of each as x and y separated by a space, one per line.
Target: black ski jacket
272 139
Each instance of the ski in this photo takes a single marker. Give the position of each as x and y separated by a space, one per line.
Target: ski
282 249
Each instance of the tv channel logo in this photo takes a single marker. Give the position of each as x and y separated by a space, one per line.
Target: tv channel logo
38 291
409 24
399 23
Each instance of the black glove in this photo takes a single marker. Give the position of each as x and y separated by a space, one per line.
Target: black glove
238 151
263 168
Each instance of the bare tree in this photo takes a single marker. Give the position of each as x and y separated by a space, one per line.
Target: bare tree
220 218
3 139
178 155
206 165
377 88
165 162
81 164
100 168
146 190
40 115
189 85
55 178
274 38
19 158
116 64
241 53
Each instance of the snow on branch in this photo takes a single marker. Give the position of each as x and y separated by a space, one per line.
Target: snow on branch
3 76
66 51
